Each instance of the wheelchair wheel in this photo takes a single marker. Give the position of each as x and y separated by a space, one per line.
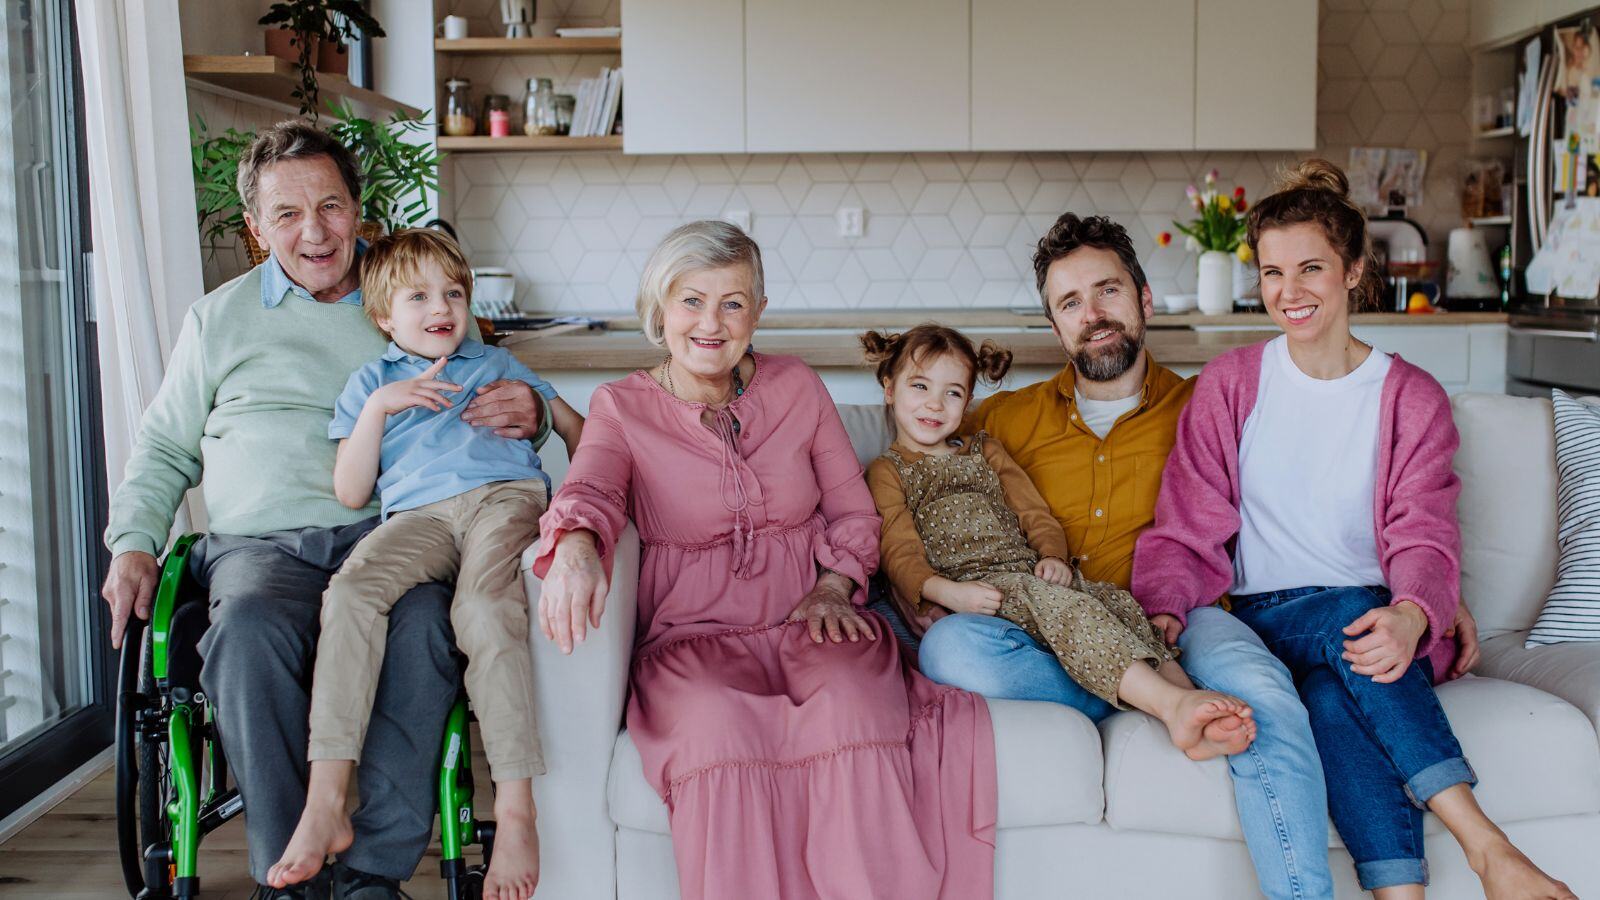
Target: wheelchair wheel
141 773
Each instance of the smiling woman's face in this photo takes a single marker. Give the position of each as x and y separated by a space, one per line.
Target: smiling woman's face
708 318
1304 284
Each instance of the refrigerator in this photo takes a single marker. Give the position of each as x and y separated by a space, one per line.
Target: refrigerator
1554 329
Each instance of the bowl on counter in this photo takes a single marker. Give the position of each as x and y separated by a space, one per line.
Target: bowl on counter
1176 303
493 290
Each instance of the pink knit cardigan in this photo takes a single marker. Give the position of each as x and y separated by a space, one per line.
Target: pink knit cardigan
1184 560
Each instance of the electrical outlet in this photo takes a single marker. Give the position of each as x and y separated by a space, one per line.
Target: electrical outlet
739 217
851 221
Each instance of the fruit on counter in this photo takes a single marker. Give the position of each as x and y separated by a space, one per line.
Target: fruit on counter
1417 304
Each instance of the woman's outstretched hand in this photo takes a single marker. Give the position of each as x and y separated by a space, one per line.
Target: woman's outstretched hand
573 595
1390 642
827 608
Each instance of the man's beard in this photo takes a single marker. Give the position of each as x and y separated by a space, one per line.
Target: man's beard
1109 362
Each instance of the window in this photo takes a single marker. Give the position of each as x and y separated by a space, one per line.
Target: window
54 694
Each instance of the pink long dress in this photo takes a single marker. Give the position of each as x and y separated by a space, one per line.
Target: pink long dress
790 769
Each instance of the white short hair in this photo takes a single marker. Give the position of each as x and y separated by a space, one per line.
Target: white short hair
695 247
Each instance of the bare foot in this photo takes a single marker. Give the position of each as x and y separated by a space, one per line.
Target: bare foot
324 830
1509 875
1204 724
514 871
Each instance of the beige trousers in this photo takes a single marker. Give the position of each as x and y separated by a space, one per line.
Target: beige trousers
476 538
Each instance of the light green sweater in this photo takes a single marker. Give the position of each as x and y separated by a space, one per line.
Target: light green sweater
246 402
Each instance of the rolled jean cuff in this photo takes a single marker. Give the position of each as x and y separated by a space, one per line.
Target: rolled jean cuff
1382 873
1443 774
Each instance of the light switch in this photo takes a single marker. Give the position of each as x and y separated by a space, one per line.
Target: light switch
851 221
739 217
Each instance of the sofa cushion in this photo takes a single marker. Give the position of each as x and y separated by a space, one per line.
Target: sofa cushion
1569 671
868 428
1572 611
1507 466
1048 760
1535 756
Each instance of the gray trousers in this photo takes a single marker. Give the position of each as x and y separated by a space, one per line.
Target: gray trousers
266 600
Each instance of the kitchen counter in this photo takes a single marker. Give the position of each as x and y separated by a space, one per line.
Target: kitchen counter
829 339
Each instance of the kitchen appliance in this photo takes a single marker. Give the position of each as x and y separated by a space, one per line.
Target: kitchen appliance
493 290
1471 273
1554 340
1400 248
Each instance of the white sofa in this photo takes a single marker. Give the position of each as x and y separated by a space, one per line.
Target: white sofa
1115 811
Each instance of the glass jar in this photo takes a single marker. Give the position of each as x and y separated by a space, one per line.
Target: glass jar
539 108
566 105
459 118
497 115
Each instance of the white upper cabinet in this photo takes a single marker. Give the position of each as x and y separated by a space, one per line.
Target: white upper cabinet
683 65
1083 74
854 75
1552 10
1494 21
1255 85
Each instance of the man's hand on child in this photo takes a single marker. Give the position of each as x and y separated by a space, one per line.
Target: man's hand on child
1055 571
1169 626
423 390
509 406
963 596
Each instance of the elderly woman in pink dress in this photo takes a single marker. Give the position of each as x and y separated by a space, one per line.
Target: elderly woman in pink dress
798 753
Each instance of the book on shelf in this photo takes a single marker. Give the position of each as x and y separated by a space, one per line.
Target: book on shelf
601 31
599 100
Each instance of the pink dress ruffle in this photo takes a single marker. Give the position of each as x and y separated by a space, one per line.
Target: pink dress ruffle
790 769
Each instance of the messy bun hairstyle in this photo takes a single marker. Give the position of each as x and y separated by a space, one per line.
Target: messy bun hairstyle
891 352
1317 191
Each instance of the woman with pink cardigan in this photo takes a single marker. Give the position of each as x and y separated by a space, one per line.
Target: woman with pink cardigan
1312 481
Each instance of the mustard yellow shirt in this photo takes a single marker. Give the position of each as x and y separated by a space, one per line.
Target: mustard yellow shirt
1103 492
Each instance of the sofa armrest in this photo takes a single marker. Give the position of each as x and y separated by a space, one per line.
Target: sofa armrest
579 701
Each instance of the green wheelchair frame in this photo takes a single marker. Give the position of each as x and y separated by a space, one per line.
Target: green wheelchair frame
170 763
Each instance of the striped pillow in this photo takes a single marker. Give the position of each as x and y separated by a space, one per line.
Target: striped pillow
1572 613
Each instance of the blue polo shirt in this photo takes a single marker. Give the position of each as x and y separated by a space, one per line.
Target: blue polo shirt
430 456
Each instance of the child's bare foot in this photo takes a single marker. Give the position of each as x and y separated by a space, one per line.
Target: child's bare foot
324 830
514 871
1204 724
1506 874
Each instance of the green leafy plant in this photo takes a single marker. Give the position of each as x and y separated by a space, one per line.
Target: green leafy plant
333 21
216 180
397 177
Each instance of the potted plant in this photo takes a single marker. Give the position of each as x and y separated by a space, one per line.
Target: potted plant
317 27
396 176
1216 235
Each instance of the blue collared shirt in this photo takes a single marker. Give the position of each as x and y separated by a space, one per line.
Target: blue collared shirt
430 456
276 283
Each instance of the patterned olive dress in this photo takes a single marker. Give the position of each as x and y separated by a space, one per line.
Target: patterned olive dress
1096 629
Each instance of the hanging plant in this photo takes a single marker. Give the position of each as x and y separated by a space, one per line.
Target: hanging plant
313 22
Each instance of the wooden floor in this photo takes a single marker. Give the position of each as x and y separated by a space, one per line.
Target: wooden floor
70 853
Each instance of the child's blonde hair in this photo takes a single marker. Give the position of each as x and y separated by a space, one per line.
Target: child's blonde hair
927 341
394 261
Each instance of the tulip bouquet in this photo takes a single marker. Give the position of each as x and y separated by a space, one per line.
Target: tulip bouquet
1221 224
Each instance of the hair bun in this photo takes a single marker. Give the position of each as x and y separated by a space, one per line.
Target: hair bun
878 346
1315 175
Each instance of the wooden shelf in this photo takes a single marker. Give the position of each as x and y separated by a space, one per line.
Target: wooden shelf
1491 220
272 79
1507 131
516 143
487 46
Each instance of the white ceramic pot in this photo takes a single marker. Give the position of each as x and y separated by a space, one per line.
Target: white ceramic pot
1216 282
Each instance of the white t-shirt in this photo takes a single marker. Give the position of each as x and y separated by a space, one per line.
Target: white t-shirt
1100 415
1308 465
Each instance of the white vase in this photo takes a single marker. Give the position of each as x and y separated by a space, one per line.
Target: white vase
1216 282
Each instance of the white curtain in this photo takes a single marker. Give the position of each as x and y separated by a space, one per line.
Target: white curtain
146 242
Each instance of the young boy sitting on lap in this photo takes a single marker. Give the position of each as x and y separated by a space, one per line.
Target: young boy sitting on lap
459 502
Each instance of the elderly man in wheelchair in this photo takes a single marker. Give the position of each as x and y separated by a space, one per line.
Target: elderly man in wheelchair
243 413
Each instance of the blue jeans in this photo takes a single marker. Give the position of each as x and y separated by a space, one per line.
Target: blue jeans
1386 748
1277 783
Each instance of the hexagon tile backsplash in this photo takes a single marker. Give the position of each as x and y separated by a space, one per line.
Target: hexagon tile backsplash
945 229
942 229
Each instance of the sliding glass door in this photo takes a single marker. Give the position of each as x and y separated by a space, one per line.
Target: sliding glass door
54 690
